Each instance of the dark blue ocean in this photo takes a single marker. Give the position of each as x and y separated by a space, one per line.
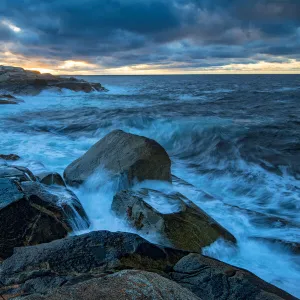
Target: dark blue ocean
234 137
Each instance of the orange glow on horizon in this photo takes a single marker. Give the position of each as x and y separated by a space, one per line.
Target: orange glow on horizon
73 67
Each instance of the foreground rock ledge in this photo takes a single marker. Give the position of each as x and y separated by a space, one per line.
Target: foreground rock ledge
68 267
42 268
124 285
128 156
19 81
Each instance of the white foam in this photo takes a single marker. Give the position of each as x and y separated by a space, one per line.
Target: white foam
96 196
160 201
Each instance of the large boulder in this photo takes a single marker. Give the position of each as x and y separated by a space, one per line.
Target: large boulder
31 214
211 279
124 285
185 226
20 81
128 156
42 268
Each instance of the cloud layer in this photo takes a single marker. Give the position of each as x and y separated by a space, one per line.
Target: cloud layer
166 35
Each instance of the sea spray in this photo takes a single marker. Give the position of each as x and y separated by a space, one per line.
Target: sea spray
96 196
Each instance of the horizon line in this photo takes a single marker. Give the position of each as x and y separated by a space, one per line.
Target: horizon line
180 74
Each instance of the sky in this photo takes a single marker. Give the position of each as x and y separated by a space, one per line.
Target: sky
151 36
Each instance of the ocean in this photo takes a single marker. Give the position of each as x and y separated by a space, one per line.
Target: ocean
233 137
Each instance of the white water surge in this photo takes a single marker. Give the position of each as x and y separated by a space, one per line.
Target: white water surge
220 147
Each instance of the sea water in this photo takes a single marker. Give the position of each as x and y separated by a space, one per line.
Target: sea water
234 142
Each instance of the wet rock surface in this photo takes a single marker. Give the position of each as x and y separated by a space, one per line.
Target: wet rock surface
50 178
58 198
22 222
32 213
188 227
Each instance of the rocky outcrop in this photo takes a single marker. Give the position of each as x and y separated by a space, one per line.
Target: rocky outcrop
80 267
12 157
50 178
19 81
128 156
211 279
187 227
31 214
124 285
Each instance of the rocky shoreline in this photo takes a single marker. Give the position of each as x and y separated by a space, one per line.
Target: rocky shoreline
40 260
17 81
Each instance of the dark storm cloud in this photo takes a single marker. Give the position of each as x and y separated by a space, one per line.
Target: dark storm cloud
5 32
125 32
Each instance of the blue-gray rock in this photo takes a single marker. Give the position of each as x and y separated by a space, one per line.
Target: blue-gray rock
211 279
128 156
31 213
